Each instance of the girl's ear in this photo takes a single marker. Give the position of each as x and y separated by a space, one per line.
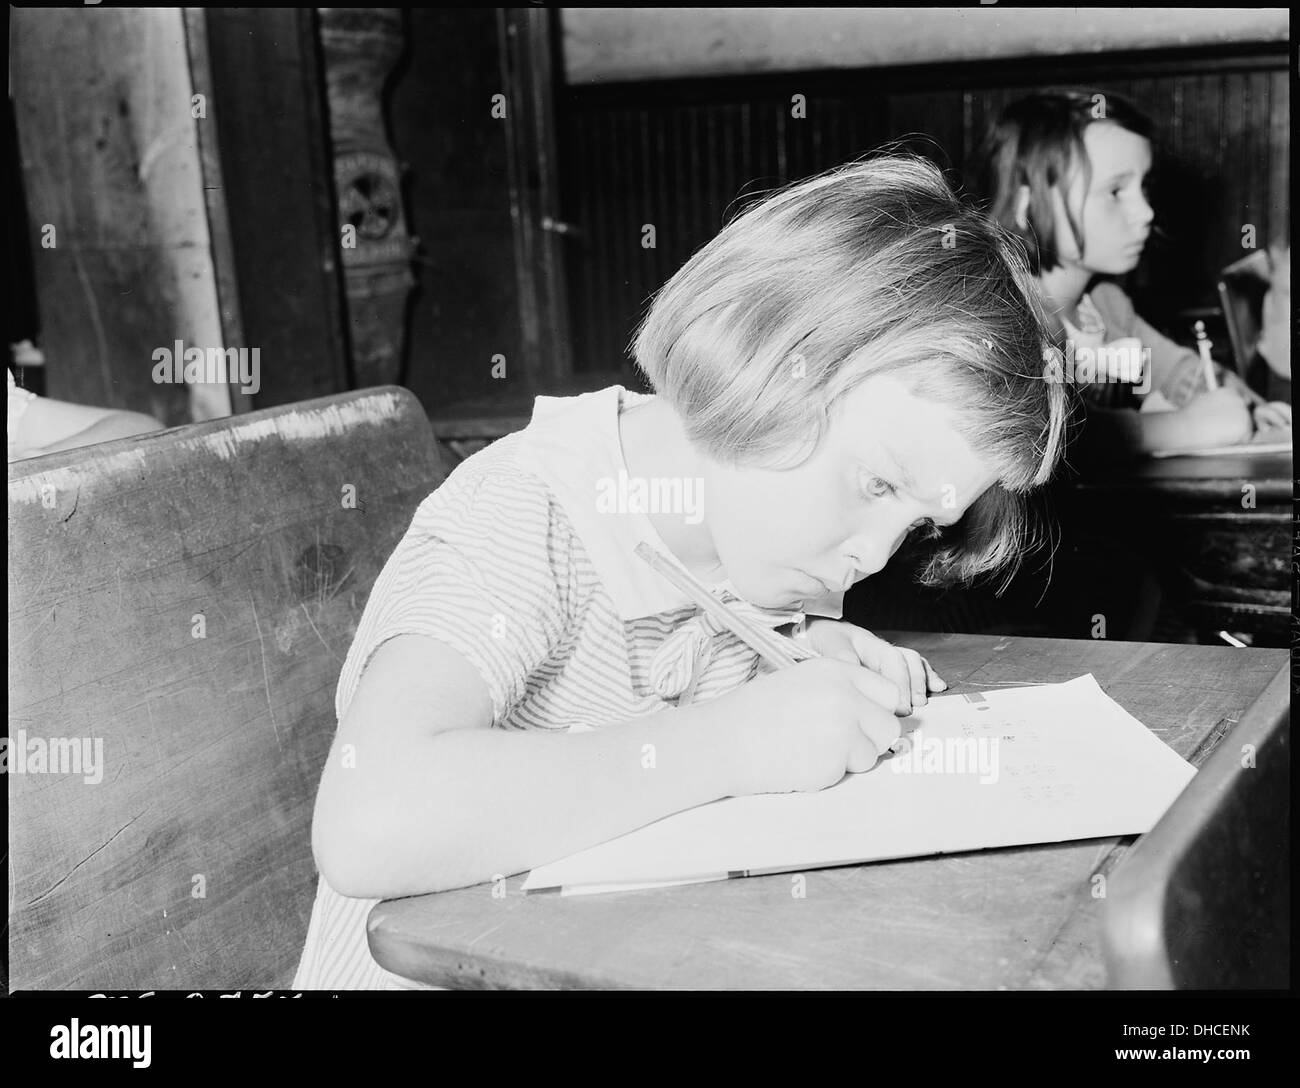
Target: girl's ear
1021 209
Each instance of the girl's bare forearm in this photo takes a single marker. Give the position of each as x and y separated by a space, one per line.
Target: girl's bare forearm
464 806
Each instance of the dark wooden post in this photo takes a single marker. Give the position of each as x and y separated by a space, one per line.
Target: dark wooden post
361 46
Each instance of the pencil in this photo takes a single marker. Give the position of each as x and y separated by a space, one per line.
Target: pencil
1203 346
777 651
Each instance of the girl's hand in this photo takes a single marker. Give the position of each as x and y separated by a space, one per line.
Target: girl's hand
1265 413
912 674
802 728
1215 418
1230 379
1276 413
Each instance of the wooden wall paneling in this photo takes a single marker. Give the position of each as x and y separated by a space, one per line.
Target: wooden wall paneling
580 150
527 41
272 127
465 308
1246 194
1278 111
932 123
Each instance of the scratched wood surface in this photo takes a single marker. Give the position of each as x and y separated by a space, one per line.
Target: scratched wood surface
1021 918
189 864
102 99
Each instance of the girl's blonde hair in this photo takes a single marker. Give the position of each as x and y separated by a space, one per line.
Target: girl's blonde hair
875 267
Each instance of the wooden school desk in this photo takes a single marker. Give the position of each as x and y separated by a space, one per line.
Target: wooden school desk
1016 918
1215 530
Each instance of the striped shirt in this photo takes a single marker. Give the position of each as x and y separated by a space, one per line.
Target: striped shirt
517 563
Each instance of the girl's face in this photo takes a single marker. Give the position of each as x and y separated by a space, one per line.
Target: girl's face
890 464
1113 210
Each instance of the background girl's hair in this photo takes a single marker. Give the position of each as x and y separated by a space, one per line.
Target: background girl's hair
874 267
1037 142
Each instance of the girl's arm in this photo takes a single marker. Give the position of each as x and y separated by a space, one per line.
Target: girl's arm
1177 372
52 425
1216 418
420 794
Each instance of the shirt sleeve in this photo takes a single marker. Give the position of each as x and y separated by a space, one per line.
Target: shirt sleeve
1177 372
485 567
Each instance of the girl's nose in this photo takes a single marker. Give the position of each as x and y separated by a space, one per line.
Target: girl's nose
870 551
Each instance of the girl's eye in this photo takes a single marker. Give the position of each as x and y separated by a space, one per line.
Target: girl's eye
873 487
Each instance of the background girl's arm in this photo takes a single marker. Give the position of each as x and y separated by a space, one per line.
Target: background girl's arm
1178 372
1216 418
420 794
51 425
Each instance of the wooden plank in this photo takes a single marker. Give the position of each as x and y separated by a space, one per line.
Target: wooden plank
631 44
214 195
1279 175
1004 919
1219 479
1203 900
529 40
271 127
466 307
188 864
102 102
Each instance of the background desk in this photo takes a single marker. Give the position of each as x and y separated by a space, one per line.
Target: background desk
1020 918
1216 531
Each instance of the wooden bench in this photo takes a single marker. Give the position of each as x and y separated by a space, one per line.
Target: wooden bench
182 603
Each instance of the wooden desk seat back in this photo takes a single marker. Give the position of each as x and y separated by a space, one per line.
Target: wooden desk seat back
1203 901
188 864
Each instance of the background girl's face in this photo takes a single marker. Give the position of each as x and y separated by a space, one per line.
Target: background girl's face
1113 210
890 464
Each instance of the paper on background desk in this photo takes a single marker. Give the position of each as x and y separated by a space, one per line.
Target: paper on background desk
1269 440
1048 763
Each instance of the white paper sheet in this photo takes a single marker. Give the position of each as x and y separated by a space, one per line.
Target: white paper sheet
1267 440
1047 763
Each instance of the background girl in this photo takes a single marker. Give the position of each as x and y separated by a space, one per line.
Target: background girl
1066 171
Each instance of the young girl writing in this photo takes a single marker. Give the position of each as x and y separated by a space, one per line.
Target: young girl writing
856 360
1066 171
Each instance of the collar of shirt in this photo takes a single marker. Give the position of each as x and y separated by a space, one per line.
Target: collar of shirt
1091 330
573 445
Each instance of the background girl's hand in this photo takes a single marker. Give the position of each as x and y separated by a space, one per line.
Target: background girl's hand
1218 417
1265 413
1273 413
913 675
802 728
